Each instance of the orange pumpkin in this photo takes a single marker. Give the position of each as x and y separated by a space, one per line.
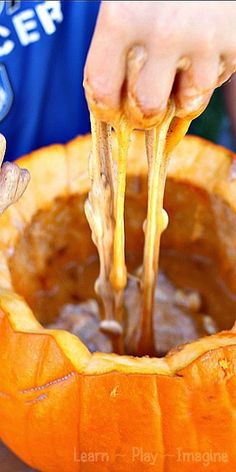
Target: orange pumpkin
65 409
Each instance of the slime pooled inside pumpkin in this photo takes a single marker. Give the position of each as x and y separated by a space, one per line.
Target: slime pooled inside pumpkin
177 318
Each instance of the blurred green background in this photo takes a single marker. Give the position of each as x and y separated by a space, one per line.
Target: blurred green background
214 123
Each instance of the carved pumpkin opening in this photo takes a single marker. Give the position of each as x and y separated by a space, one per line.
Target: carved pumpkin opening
195 292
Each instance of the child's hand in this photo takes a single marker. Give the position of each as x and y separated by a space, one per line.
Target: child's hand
187 48
13 180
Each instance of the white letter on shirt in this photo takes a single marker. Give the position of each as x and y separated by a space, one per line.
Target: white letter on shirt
49 13
8 45
24 24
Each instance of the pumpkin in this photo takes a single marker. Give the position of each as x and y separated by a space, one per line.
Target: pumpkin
65 409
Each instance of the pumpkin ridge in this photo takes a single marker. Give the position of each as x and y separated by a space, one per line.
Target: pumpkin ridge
161 440
39 367
48 384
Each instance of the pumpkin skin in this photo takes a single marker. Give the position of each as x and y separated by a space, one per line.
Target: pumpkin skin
64 409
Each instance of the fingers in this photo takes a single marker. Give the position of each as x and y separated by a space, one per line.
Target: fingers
157 35
149 91
151 82
9 177
105 66
194 87
2 147
23 181
148 74
13 182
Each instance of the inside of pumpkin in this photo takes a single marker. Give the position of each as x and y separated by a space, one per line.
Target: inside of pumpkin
60 266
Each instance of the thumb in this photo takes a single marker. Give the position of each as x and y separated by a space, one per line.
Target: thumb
2 148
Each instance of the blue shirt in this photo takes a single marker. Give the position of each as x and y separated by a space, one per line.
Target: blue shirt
43 47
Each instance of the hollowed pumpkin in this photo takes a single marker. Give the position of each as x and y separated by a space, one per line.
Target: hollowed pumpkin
65 409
